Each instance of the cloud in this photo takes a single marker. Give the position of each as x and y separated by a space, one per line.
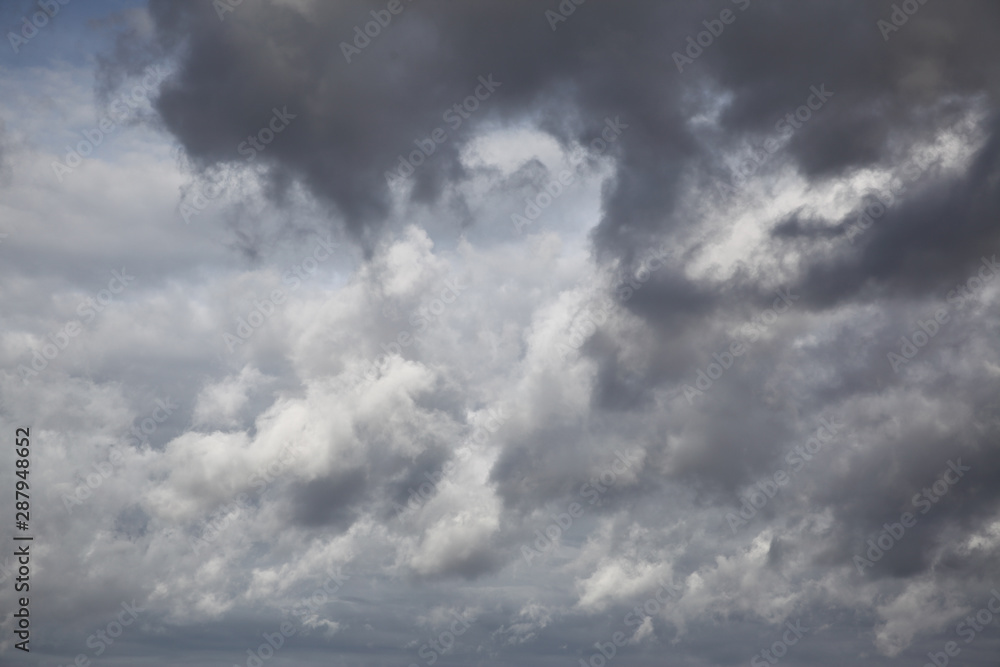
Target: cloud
485 378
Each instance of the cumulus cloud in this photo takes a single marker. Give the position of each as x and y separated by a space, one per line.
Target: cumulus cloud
505 329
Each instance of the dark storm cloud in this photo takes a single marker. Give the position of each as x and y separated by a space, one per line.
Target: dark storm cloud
329 500
353 120
923 244
796 226
623 388
885 94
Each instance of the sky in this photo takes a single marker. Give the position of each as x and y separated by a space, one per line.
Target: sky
507 332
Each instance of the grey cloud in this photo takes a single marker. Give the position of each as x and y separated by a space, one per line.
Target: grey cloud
377 418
